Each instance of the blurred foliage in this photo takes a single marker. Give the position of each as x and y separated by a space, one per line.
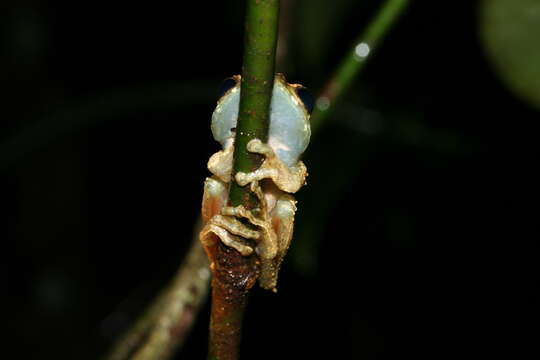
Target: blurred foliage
510 31
315 35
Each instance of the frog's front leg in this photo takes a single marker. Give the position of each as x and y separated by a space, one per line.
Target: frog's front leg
287 178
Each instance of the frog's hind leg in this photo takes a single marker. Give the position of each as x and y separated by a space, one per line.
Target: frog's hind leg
215 195
282 219
267 242
230 231
241 211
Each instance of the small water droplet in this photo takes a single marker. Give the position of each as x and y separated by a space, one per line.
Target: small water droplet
323 103
361 51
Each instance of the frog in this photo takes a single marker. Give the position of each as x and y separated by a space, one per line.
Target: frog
266 231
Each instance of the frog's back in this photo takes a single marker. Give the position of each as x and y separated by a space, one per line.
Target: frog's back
289 131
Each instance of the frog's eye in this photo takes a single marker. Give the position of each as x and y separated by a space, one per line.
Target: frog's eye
226 85
306 97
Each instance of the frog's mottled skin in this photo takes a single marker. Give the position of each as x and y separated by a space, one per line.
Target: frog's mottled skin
280 175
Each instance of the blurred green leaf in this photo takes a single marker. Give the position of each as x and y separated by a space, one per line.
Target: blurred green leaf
510 30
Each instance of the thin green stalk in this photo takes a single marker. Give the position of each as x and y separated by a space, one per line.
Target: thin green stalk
260 41
354 62
234 274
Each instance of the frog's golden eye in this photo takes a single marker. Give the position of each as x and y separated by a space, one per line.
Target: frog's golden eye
306 97
226 85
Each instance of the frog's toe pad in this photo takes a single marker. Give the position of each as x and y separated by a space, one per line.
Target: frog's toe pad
258 147
261 173
230 240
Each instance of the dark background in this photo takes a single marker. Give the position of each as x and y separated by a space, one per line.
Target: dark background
414 236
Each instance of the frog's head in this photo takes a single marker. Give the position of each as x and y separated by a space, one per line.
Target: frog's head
289 130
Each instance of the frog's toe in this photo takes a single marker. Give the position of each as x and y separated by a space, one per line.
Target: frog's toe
261 173
242 178
213 230
234 226
258 147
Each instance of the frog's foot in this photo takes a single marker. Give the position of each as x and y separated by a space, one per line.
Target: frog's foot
231 232
267 243
257 146
288 179
241 211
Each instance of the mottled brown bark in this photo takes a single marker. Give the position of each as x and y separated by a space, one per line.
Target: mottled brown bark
233 276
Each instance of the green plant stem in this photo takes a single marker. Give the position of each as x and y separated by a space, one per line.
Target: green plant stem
234 274
260 41
354 61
